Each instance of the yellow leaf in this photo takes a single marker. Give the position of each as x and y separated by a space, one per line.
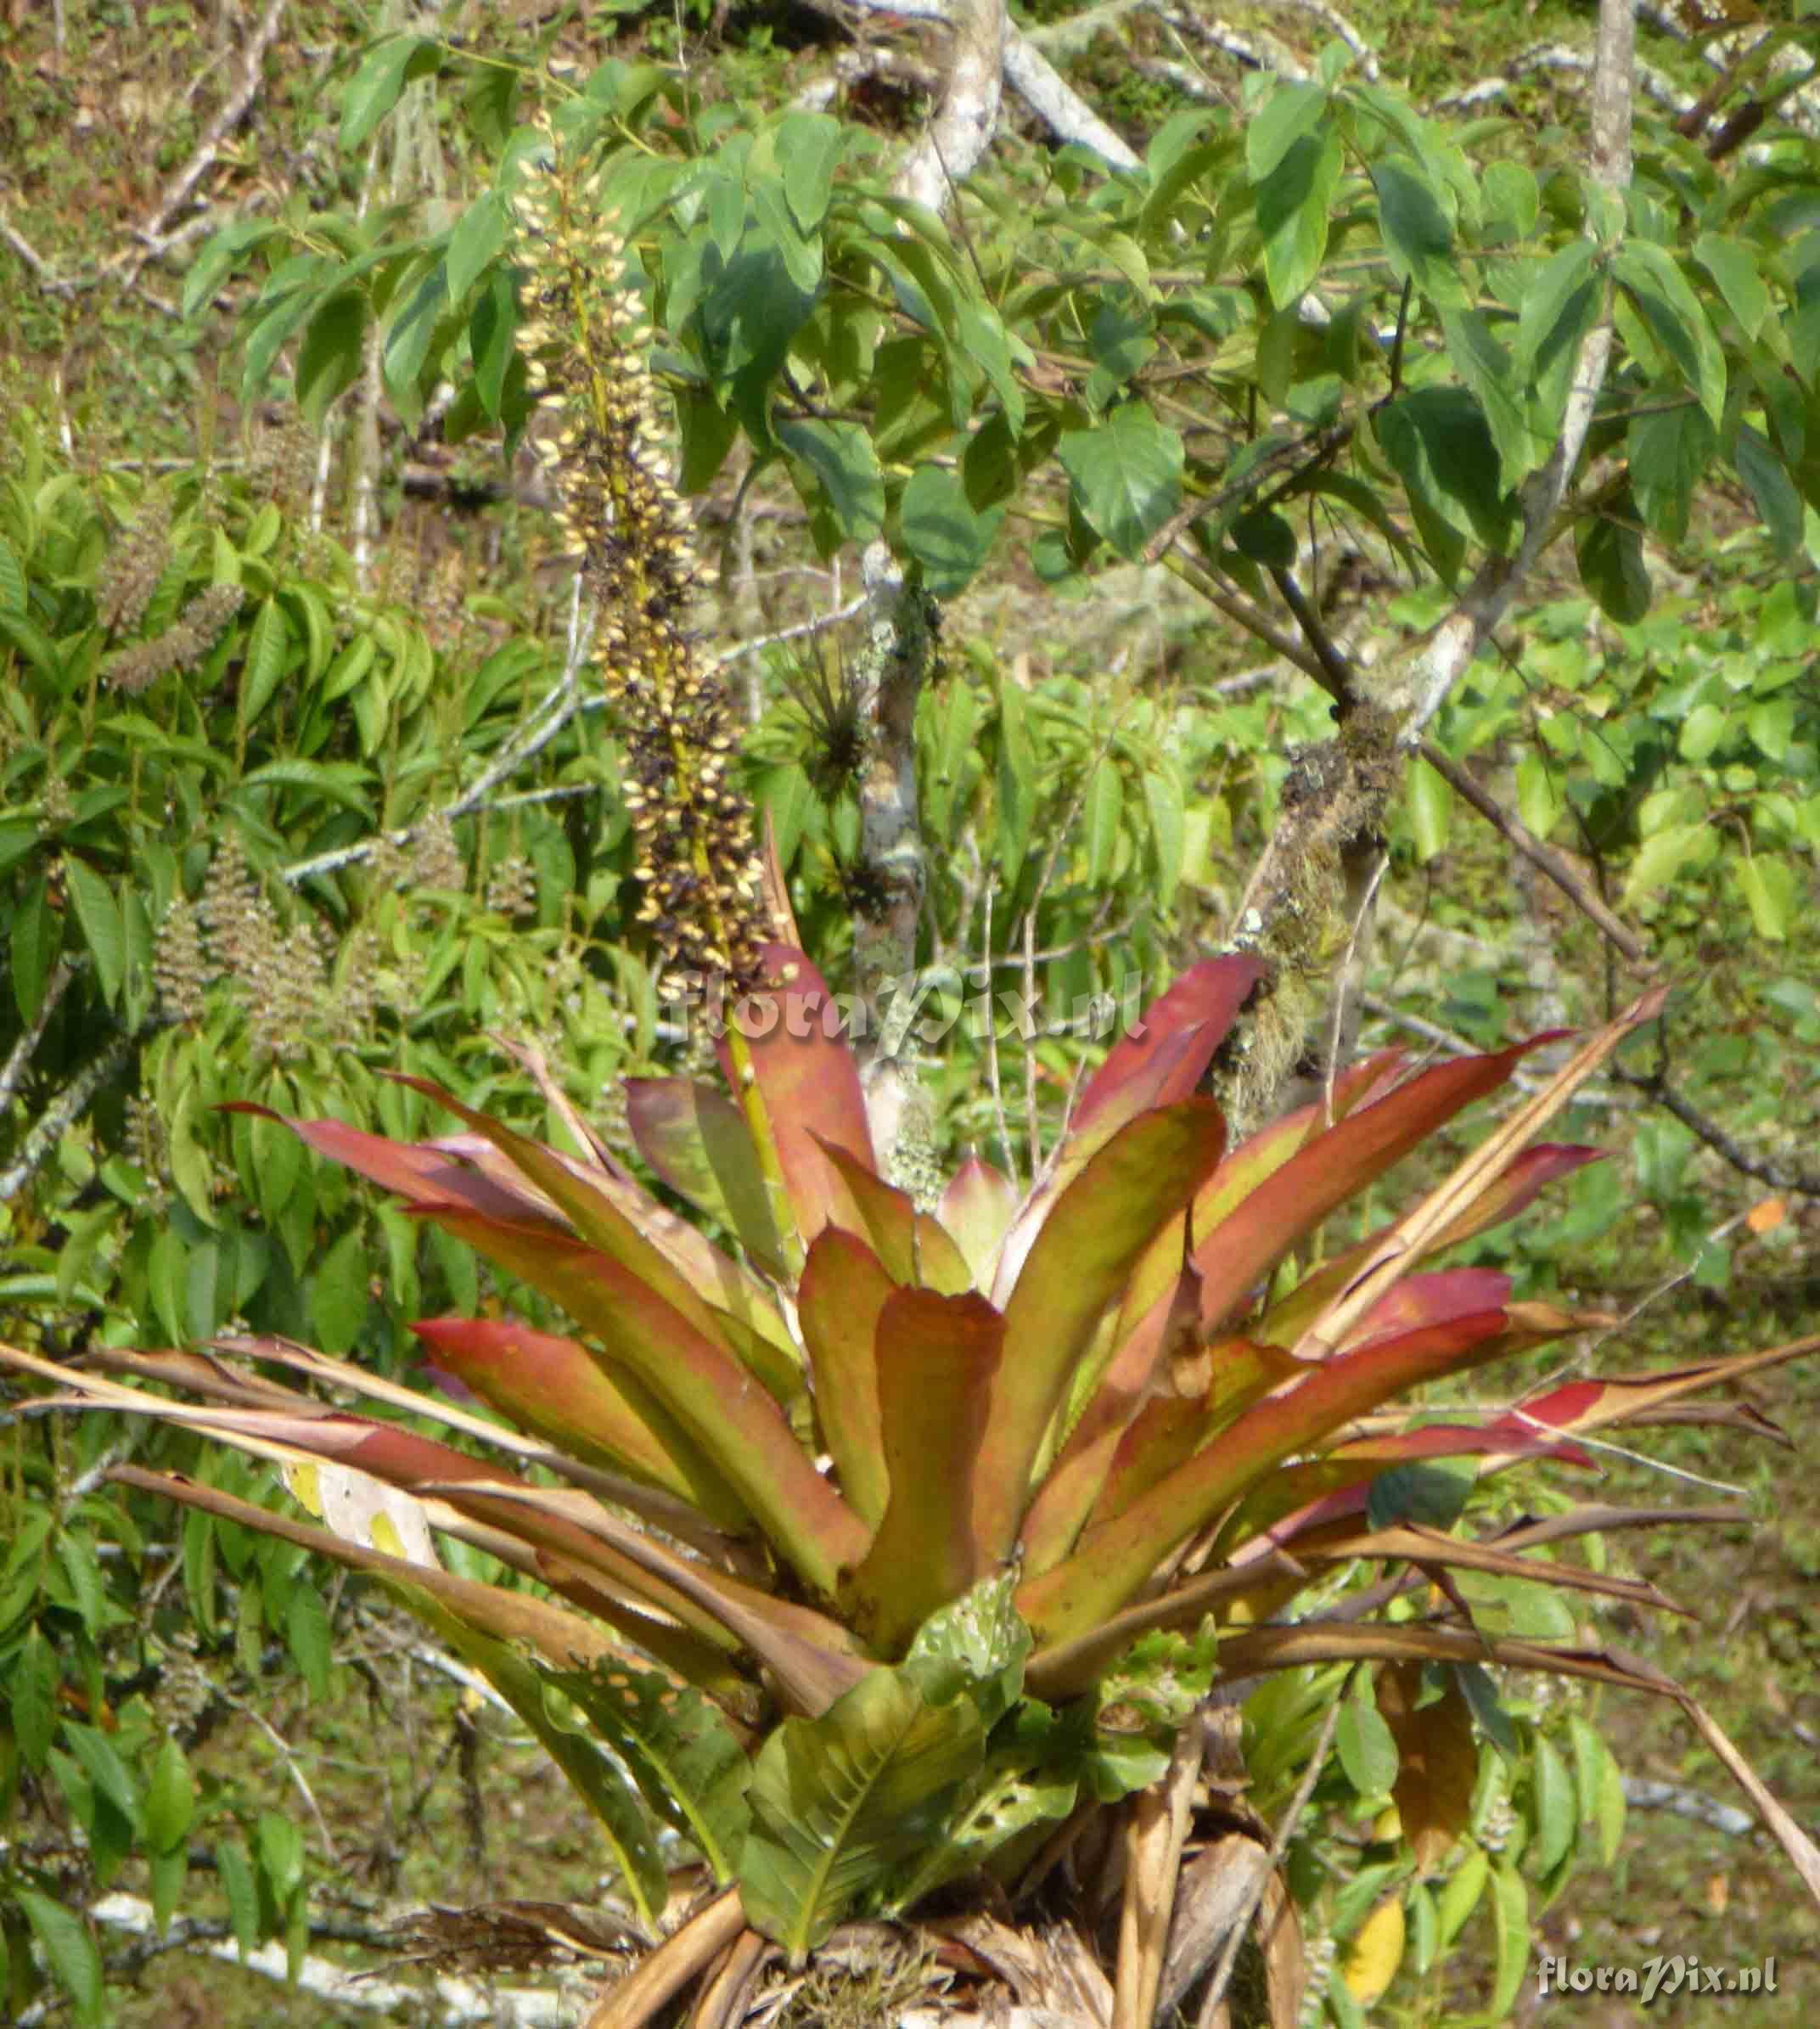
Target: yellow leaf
1376 1952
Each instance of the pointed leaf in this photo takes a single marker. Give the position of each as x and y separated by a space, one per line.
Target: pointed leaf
936 1357
696 1140
579 1401
1098 1231
742 1430
977 1209
809 1084
914 1249
844 1290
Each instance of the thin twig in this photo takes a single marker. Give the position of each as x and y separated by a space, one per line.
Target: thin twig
1802 1183
37 1149
1545 856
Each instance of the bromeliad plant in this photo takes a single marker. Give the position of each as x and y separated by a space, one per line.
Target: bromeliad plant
874 1543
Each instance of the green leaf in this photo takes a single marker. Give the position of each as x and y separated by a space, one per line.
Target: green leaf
839 1802
1431 1492
170 1798
1599 1787
1439 444
1367 1747
808 146
278 1848
1771 488
1769 887
1294 208
1701 731
845 466
234 1870
306 1631
478 235
1163 798
1734 268
34 1697
267 654
384 71
409 334
1105 805
1417 233
689 1765
12 580
1460 1897
1510 1923
102 1764
1430 805
1652 278
1291 112
1126 475
338 1294
1669 451
942 532
1553 1806
103 929
1539 799
37 933
328 359
63 1936
1609 550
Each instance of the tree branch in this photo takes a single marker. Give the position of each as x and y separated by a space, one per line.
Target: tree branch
1544 856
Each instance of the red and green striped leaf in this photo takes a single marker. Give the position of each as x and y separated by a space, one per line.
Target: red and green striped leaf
697 1141
1099 1228
710 1395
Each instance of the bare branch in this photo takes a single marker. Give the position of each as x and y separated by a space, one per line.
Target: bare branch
967 116
1544 856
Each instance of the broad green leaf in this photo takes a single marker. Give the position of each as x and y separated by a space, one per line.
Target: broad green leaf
1539 798
34 1695
1126 475
267 652
844 465
478 235
1438 442
1772 891
1163 799
328 360
1652 277
1430 805
70 1951
103 929
1671 446
384 71
37 932
1701 732
1459 1897
234 1870
1510 1929
1366 1747
1608 548
1553 1806
808 148
1104 807
1771 488
307 1633
170 1798
1599 1787
1417 233
841 1802
339 1294
1733 266
1291 112
942 532
1294 209
975 1646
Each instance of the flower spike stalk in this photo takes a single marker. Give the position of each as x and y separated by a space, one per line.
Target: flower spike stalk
587 345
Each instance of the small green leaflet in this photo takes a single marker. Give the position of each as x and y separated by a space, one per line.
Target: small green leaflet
103 929
1294 209
384 71
843 466
1652 277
